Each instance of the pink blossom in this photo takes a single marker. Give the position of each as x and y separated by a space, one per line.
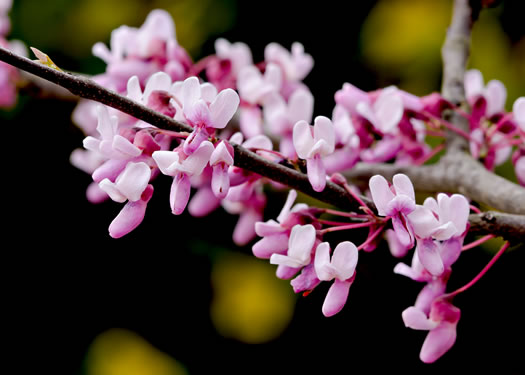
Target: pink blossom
282 115
340 267
441 324
349 96
112 145
181 166
494 93
313 143
156 93
238 54
385 112
275 234
442 220
130 184
205 110
220 160
254 87
296 64
395 201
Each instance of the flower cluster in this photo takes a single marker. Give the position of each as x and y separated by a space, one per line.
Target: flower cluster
229 102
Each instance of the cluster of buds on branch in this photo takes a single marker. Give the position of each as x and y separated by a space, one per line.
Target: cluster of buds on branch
226 129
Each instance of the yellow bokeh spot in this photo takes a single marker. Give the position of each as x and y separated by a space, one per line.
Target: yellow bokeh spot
250 303
122 352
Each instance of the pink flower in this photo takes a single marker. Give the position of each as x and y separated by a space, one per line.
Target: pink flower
112 145
395 201
442 220
441 324
494 93
220 160
340 267
312 144
130 184
156 93
238 54
181 166
349 96
205 110
295 64
385 112
275 234
254 87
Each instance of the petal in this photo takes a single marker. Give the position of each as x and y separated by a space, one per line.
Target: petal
220 181
244 230
133 180
269 228
456 210
423 221
473 83
450 251
316 173
167 161
191 92
324 130
290 199
397 249
336 297
344 259
496 95
203 202
194 164
403 186
306 280
402 233
381 193
223 108
416 319
300 106
159 81
432 290
111 189
302 239
444 231
303 140
128 218
180 193
438 342
401 204
269 245
258 141
285 260
518 111
124 146
322 262
134 92
428 254
223 153
388 110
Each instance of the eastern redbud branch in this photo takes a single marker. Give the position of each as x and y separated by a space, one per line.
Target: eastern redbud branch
424 177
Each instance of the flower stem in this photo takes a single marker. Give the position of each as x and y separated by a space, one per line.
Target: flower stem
479 275
371 237
347 226
477 242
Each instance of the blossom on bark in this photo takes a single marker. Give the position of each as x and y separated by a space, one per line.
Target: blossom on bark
312 144
300 246
440 227
396 201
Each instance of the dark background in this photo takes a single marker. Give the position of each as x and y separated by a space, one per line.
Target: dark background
66 280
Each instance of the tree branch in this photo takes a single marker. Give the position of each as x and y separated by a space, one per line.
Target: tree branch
332 194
